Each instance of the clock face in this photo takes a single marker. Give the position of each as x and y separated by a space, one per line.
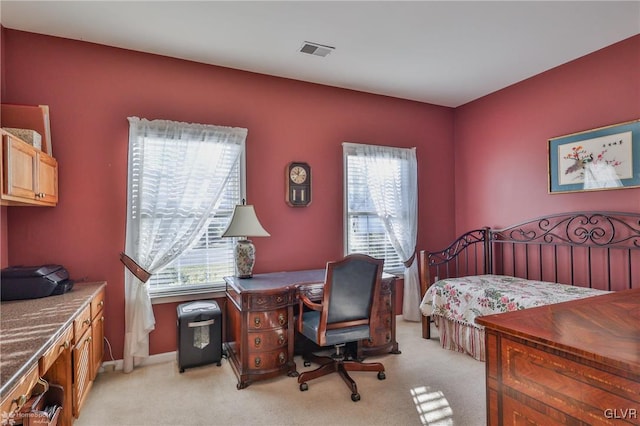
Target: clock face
298 175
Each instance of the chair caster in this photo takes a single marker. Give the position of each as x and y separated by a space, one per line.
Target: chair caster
381 375
307 363
355 397
304 387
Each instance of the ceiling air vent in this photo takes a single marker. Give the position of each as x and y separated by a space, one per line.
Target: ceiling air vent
316 49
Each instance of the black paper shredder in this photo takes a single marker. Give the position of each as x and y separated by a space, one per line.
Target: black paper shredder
199 334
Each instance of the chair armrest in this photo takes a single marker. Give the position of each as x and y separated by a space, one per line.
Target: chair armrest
302 302
310 303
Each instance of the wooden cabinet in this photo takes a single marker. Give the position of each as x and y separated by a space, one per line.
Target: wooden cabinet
260 328
63 353
259 333
29 176
569 363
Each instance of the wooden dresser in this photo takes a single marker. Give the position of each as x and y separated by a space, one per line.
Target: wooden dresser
260 328
572 363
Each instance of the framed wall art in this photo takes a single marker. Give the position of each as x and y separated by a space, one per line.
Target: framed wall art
598 159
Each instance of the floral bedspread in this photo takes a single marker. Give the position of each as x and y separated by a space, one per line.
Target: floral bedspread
464 299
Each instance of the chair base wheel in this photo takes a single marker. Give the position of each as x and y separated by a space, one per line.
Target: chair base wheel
381 375
355 397
304 387
307 363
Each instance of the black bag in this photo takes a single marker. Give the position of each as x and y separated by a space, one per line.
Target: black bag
32 282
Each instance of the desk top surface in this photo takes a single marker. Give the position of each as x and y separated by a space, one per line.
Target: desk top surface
275 280
603 328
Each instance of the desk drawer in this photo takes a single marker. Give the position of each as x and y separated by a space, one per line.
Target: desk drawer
97 304
272 360
21 392
82 323
61 344
269 340
261 302
268 320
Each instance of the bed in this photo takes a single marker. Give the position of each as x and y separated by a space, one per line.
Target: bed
546 260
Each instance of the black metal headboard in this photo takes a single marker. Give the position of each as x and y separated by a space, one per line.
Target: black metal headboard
589 249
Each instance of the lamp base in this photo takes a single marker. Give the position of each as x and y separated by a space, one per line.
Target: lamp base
245 257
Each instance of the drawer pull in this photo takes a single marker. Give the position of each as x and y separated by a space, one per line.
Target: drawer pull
101 304
257 341
281 339
282 358
257 362
65 345
86 322
281 319
19 401
257 322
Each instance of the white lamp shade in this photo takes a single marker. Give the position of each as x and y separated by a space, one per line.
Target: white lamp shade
245 223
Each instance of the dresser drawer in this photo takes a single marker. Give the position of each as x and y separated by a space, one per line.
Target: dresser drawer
61 344
269 340
97 304
271 360
82 323
579 390
268 320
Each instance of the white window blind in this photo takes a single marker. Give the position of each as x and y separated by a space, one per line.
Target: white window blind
365 232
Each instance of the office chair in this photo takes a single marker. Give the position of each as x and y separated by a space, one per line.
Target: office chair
350 295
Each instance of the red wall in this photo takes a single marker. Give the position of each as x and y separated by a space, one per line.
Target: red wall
501 140
92 89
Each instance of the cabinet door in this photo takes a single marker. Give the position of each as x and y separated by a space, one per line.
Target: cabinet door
81 371
47 189
97 343
19 168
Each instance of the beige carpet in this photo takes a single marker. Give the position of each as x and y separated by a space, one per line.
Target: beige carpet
425 385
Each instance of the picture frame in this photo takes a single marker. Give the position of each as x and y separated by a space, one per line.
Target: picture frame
594 160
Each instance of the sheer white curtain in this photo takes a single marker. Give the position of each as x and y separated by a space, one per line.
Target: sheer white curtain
176 174
392 180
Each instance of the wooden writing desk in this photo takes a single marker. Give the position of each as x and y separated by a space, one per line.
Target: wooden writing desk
260 326
572 363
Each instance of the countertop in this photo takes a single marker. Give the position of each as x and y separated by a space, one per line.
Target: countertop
29 327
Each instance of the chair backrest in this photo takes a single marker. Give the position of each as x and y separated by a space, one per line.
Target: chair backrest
351 290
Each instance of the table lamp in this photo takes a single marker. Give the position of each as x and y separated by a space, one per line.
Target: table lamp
245 223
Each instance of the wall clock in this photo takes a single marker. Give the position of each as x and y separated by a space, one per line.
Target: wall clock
298 177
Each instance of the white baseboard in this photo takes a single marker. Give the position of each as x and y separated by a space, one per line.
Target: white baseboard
118 364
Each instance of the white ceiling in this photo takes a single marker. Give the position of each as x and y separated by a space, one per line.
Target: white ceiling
446 53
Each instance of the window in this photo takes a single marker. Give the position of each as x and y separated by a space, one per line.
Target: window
184 182
364 229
